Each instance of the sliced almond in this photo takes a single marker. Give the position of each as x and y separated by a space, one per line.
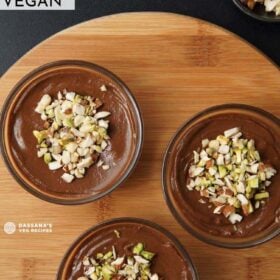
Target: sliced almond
205 143
105 167
85 163
102 115
54 165
78 109
43 103
234 218
66 157
141 260
224 149
231 132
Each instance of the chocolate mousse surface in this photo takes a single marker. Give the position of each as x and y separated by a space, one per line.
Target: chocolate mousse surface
125 130
169 263
199 217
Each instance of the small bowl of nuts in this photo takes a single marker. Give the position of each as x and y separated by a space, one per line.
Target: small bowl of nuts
71 132
221 173
264 10
126 248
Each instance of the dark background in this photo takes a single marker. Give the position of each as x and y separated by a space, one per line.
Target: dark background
21 30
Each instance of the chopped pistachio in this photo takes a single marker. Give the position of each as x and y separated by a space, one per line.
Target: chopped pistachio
260 196
47 158
74 133
138 248
40 135
253 182
147 255
222 171
108 265
99 256
228 172
108 255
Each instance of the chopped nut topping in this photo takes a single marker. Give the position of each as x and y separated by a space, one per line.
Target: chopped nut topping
270 5
74 134
103 88
229 173
135 266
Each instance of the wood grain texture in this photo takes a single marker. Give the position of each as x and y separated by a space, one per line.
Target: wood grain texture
175 66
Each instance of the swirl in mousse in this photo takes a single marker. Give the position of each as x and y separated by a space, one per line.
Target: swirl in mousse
71 132
221 176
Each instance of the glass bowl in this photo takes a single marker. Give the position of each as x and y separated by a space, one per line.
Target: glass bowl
197 218
18 120
101 238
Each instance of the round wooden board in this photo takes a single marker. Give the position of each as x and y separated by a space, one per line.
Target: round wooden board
176 66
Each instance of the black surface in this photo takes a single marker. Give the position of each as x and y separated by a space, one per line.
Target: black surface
21 30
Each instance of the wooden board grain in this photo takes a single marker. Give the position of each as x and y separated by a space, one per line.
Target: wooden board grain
176 66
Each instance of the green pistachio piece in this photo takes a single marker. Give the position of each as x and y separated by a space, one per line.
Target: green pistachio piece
40 135
237 204
260 196
47 158
229 167
222 139
107 272
138 248
99 256
102 131
77 99
93 276
108 255
43 145
50 113
147 255
98 270
238 155
244 151
257 156
58 116
55 125
248 189
251 154
262 176
250 207
222 171
97 148
204 182
253 182
251 145
68 122
65 141
146 271
201 163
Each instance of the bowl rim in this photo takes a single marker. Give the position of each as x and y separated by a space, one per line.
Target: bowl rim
164 178
251 13
183 252
83 64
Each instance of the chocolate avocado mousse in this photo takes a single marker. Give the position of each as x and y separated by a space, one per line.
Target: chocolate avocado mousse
71 132
126 249
228 196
